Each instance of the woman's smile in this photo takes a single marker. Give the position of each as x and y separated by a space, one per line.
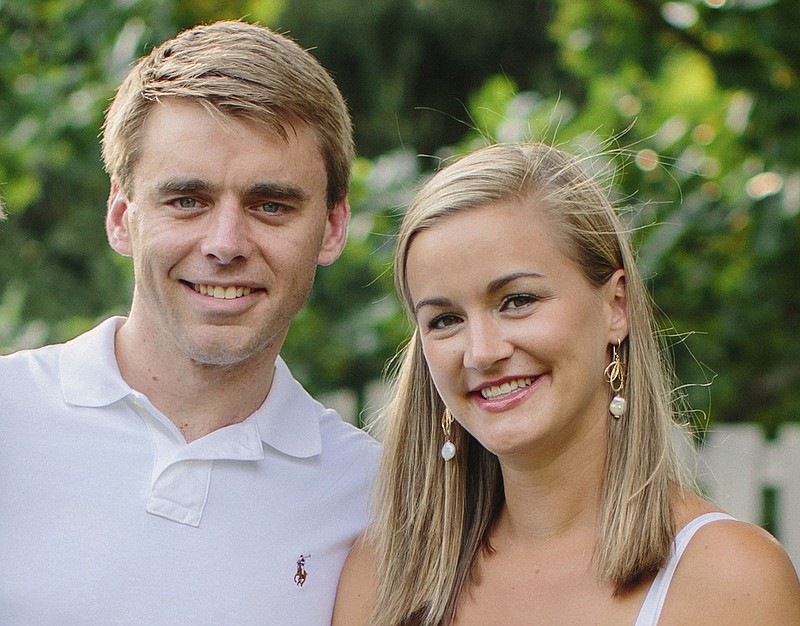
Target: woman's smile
502 396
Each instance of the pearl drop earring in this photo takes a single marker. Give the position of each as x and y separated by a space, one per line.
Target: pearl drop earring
449 448
615 374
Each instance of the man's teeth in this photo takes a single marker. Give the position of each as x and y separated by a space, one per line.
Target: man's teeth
506 388
223 293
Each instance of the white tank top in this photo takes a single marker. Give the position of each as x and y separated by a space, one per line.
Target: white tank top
654 602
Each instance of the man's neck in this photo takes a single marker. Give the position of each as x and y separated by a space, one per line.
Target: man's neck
198 398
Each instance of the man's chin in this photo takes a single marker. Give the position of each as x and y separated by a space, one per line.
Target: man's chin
222 354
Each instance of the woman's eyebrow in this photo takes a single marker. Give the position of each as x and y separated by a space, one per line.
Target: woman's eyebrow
498 283
494 286
439 302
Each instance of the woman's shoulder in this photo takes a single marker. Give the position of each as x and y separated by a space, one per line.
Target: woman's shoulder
355 595
732 572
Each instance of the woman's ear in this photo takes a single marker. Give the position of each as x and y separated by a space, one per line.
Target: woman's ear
117 229
618 306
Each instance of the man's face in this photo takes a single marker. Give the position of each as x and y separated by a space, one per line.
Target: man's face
226 222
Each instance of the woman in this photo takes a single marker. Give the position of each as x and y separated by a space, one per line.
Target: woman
529 475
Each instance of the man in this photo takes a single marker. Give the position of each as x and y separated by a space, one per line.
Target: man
165 468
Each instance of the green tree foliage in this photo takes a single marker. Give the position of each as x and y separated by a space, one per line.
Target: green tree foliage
694 107
409 65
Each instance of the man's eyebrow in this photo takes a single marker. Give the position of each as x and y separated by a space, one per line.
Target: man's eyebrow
184 186
189 186
279 190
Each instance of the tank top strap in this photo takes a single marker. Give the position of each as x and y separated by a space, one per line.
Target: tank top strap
654 601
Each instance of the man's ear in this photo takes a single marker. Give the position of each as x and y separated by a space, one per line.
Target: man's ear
618 306
335 233
117 228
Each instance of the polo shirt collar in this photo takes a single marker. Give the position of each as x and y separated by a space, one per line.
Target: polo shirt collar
89 372
289 418
287 421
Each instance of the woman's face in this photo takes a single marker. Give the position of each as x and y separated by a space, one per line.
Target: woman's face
515 337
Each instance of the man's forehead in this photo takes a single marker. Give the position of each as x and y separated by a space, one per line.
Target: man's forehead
185 140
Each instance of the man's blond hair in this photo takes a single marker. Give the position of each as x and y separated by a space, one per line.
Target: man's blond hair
235 69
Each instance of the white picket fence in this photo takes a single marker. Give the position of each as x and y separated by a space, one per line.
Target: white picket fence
736 466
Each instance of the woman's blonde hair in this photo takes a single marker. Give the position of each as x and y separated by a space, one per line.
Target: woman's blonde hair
432 518
238 69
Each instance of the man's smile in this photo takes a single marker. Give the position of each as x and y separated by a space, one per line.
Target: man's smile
231 292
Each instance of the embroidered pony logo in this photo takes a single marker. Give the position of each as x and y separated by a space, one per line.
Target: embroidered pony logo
301 574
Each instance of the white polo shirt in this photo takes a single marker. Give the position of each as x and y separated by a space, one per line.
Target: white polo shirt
107 515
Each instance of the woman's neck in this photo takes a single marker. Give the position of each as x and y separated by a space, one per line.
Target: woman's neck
557 495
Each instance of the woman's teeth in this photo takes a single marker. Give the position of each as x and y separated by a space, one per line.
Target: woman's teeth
490 393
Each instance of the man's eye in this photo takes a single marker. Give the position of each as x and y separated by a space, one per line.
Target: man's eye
186 203
270 206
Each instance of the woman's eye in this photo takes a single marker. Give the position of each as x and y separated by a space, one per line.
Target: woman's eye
518 301
441 322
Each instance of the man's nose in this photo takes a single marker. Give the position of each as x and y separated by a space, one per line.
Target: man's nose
227 237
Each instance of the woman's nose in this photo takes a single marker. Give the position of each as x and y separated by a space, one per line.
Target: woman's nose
486 345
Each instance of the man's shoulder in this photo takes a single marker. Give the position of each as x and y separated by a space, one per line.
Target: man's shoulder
30 360
349 460
51 352
30 381
334 428
26 370
349 446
